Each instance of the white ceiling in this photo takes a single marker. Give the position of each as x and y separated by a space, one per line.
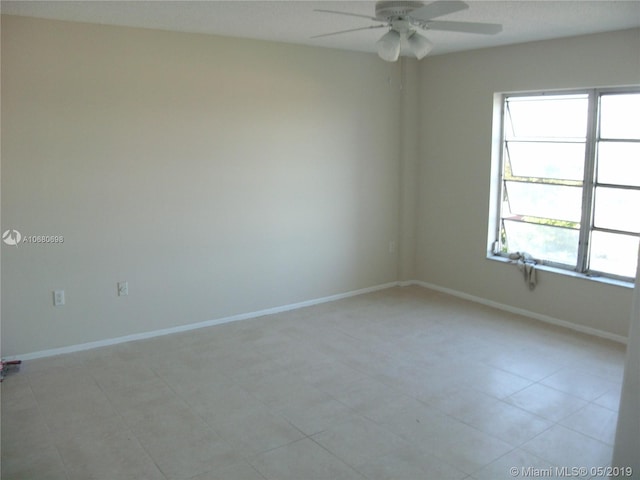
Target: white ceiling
295 21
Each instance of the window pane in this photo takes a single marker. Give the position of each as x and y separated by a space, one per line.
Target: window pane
616 254
547 160
546 201
558 245
619 117
619 163
617 209
547 116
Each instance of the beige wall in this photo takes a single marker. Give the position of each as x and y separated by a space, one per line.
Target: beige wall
456 93
222 176
216 176
625 451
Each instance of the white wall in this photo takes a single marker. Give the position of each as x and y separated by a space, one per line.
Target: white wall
625 451
217 176
456 94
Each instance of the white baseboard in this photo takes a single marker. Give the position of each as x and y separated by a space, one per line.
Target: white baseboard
525 313
193 326
309 303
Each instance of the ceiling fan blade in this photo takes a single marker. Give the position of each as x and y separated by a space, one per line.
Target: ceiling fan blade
349 14
464 27
350 30
437 9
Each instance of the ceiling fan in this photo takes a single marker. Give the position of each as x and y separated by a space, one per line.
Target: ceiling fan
405 18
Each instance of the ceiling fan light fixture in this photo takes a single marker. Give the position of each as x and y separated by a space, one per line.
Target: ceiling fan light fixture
404 17
419 45
389 46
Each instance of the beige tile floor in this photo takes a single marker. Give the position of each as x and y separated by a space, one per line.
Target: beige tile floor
404 383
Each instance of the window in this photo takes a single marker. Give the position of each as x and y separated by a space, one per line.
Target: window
570 180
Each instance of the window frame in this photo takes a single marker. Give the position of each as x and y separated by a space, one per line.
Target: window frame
589 181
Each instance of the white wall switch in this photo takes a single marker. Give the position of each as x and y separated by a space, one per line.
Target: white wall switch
123 289
58 298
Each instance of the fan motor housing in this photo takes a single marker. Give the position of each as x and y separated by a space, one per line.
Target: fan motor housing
387 10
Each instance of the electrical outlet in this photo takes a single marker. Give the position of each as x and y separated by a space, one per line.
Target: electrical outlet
123 289
58 298
392 246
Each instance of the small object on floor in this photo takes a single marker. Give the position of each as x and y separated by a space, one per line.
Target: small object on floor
5 365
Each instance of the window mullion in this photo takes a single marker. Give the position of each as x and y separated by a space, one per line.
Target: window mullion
588 185
504 106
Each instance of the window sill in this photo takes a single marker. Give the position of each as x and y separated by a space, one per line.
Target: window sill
568 273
